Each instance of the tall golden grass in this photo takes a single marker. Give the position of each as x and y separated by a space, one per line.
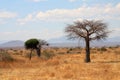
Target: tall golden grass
105 65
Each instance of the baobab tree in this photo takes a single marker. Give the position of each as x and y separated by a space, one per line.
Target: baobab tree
88 30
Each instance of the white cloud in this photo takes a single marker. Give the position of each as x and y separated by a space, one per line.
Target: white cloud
2 21
76 0
37 0
6 14
72 0
105 12
28 18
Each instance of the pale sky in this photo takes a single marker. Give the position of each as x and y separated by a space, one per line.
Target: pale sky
46 19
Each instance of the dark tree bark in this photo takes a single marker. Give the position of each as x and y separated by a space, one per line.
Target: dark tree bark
87 59
39 47
30 54
38 52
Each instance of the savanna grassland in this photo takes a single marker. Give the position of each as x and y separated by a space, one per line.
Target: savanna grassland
61 64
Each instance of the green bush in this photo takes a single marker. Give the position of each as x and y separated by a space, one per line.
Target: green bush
4 56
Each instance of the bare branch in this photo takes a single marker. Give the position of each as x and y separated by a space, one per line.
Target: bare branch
95 30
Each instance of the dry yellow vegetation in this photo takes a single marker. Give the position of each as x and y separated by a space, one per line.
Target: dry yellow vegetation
105 65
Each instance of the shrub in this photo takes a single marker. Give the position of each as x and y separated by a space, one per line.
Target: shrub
61 53
68 52
70 49
103 49
111 47
4 56
15 50
21 51
78 52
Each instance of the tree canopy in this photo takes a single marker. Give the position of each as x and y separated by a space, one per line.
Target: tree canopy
31 44
96 30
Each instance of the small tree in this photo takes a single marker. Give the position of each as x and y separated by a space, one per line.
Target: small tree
39 46
88 31
31 44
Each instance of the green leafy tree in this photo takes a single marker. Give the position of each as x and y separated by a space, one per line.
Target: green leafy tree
31 44
35 44
88 30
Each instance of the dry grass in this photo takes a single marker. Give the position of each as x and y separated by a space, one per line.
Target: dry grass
105 66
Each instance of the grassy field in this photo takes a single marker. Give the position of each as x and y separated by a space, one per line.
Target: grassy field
62 64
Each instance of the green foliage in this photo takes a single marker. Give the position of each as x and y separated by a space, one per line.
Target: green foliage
31 44
110 47
35 44
4 56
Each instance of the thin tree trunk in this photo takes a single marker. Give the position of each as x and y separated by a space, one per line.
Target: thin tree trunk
38 52
30 54
87 59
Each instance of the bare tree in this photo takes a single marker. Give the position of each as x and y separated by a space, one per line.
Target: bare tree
87 30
